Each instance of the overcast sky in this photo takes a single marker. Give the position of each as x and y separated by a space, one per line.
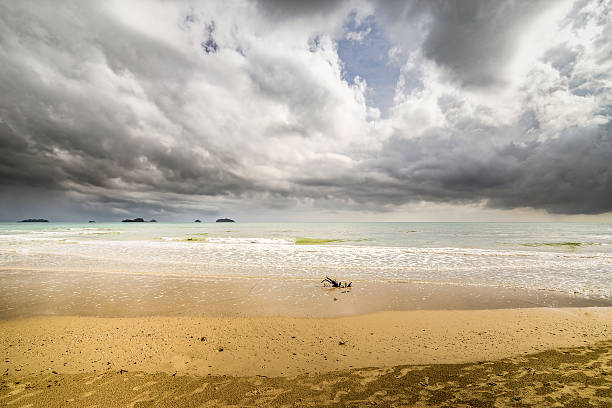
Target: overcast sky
318 110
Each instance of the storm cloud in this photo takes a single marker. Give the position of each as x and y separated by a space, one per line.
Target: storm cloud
473 39
169 108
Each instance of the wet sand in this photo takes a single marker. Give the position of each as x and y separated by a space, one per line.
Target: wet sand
74 293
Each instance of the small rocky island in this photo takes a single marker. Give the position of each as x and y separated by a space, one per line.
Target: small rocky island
137 220
197 221
225 220
134 220
35 220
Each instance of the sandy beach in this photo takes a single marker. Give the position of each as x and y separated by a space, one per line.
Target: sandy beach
373 358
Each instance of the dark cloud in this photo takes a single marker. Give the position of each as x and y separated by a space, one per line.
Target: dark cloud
473 39
298 8
567 175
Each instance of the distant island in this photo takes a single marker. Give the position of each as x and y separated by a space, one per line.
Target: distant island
137 220
197 221
134 220
90 221
225 220
35 220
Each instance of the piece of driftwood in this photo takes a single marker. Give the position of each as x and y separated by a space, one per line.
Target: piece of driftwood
335 284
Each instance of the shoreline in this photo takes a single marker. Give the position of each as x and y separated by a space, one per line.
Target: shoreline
36 293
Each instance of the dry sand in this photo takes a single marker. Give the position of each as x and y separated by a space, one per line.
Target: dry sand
577 377
184 360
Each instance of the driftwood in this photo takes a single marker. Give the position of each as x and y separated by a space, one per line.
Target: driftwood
335 284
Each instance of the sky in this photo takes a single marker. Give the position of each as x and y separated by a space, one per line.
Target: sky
306 111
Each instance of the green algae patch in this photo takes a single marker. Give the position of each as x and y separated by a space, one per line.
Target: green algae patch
66 241
573 245
314 241
195 239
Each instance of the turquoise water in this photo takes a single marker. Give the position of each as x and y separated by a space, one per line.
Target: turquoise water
570 257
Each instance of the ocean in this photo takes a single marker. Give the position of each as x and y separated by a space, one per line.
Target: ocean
573 258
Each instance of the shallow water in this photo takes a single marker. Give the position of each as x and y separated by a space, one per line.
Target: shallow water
568 257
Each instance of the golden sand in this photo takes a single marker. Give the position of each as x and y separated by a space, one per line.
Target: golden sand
127 360
576 377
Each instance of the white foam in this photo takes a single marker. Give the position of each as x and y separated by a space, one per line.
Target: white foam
241 240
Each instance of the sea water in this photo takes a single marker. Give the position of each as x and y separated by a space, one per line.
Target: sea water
569 257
